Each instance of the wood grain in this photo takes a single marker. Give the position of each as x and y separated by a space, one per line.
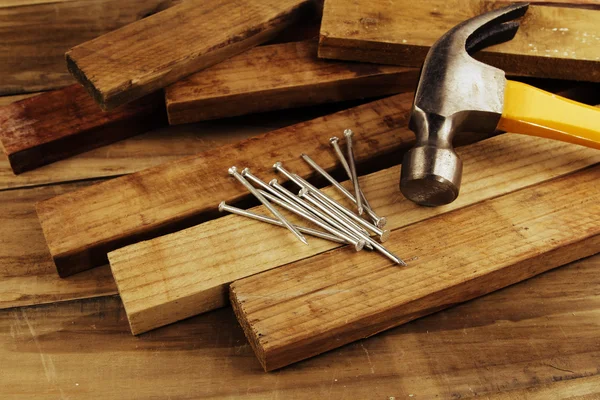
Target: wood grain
27 273
180 194
150 54
54 125
176 276
306 308
157 147
277 77
536 334
552 42
34 36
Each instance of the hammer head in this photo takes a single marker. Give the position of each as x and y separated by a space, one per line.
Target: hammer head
455 93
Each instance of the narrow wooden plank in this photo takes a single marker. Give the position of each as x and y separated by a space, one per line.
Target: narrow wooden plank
150 54
27 273
526 336
176 195
34 36
552 42
314 305
54 125
173 277
276 77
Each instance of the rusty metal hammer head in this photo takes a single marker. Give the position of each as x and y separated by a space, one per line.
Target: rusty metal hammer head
456 93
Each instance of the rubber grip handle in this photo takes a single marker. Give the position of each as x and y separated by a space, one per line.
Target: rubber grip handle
535 112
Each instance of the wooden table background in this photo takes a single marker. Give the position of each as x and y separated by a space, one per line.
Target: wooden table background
69 338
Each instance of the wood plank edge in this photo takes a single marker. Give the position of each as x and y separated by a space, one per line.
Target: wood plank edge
80 77
251 335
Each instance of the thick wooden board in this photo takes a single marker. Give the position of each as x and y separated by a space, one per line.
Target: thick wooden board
35 34
277 77
150 54
180 194
27 273
314 305
54 125
552 42
537 334
176 276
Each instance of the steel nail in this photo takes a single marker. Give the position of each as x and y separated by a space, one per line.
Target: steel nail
304 194
383 233
357 243
377 220
350 148
233 171
263 218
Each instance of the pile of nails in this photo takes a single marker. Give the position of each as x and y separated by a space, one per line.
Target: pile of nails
341 224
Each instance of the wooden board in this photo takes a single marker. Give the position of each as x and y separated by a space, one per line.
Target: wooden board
180 194
156 147
306 308
35 34
54 125
176 276
148 55
276 77
552 42
527 338
27 273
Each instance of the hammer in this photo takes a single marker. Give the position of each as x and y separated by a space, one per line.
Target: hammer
457 93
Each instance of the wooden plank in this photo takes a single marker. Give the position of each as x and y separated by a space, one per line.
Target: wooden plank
27 273
552 42
176 276
58 124
179 194
156 147
529 335
277 77
150 54
318 304
34 36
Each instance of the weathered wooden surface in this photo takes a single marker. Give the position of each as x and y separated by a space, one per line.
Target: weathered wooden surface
176 195
58 124
157 51
35 34
176 276
527 338
27 273
318 304
552 42
277 77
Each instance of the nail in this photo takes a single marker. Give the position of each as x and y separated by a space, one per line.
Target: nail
233 171
350 149
357 243
304 194
383 234
377 220
309 231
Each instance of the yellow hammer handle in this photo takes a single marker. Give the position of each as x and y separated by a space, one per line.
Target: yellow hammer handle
532 111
